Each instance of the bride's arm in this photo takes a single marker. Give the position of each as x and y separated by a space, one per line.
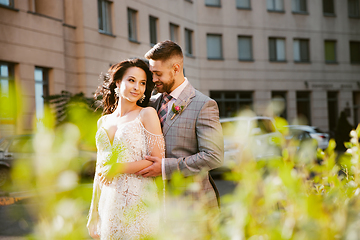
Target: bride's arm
151 123
93 219
131 167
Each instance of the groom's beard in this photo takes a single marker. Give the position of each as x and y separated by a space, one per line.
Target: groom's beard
166 87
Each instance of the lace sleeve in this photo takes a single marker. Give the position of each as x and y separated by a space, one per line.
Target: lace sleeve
155 144
93 217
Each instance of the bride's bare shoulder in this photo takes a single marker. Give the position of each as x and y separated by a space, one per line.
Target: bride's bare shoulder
148 111
101 121
150 120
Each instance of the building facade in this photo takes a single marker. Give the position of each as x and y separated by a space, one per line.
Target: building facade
243 53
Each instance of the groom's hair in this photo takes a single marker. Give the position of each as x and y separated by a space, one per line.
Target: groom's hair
164 51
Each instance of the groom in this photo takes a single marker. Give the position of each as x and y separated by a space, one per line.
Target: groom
190 124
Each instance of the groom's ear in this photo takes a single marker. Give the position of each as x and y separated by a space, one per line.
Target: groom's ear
176 68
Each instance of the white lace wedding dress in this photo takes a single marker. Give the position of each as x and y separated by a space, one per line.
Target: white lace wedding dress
128 207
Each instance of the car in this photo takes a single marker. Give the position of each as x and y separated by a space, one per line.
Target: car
321 137
249 137
11 148
17 147
301 146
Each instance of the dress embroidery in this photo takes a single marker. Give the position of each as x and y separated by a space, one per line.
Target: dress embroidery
128 206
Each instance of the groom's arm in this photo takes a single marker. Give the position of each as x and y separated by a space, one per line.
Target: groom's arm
210 145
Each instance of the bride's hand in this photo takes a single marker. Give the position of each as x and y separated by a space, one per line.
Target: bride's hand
109 172
110 169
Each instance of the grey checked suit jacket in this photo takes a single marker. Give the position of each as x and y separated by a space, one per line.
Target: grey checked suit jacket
194 141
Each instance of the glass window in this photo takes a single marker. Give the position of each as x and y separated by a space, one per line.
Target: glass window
9 3
245 47
356 107
132 24
328 7
214 46
303 107
354 8
277 49
278 100
153 30
21 145
330 51
275 5
232 102
354 52
332 100
243 4
299 6
301 50
213 3
188 42
104 12
41 90
174 32
4 142
7 94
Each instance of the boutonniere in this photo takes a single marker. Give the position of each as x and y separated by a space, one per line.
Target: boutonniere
178 109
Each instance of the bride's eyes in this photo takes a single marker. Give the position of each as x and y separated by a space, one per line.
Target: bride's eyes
133 80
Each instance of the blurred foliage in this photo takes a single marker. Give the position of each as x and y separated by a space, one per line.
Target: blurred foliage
79 110
306 194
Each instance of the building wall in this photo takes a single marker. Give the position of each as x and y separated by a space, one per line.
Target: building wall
64 36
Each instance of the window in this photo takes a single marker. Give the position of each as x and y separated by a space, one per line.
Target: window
332 101
275 5
104 16
132 25
277 49
354 52
278 99
188 42
328 7
303 107
7 94
356 107
23 144
153 30
243 4
299 6
213 3
301 50
232 102
354 8
9 3
330 51
214 46
41 90
245 48
174 32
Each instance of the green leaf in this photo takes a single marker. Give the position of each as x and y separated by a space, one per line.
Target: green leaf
348 144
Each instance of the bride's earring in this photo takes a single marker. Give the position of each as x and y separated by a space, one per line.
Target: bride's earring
142 98
117 91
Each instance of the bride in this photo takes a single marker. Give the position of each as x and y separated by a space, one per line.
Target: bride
122 205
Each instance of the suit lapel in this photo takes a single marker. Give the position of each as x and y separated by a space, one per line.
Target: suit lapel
184 99
155 101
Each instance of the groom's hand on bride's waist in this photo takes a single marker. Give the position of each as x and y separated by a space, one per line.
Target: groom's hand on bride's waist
153 170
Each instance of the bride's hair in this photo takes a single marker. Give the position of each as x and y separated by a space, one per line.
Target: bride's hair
115 73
